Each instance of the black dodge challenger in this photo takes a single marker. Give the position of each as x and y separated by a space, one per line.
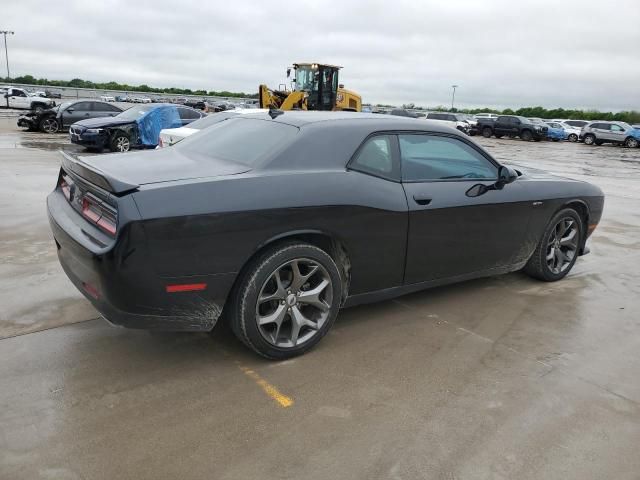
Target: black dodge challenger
276 221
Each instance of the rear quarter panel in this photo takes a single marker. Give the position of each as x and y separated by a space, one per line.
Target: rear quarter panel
214 227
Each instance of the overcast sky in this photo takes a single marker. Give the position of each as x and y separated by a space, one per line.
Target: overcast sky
571 54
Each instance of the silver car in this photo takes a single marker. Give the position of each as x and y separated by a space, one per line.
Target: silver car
621 133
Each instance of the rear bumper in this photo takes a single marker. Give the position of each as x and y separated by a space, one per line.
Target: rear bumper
123 287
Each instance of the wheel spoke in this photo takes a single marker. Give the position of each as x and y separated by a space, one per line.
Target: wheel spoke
570 239
298 279
552 254
312 297
277 316
280 292
298 321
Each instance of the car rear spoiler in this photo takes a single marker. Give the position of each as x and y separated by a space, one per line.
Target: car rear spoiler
95 176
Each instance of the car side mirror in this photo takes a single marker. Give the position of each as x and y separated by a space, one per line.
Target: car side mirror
505 175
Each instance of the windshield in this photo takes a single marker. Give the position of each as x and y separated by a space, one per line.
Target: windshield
241 140
306 79
133 113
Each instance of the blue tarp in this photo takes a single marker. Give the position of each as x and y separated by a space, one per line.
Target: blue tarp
157 118
556 133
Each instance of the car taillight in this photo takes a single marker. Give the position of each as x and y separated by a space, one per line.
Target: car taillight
99 213
65 187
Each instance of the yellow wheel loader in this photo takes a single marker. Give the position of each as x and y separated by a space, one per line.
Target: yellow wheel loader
314 87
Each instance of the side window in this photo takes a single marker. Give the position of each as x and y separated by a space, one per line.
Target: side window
188 114
104 107
82 106
617 128
375 158
603 126
19 93
430 157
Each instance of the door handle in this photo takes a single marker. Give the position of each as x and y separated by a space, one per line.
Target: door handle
422 199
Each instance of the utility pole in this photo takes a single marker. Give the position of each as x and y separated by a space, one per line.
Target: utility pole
6 54
453 95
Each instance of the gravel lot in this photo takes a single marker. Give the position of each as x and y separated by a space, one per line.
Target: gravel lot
499 378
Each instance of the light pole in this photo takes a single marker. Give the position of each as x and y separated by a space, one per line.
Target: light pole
6 54
453 95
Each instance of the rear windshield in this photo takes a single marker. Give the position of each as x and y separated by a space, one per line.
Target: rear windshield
211 119
240 140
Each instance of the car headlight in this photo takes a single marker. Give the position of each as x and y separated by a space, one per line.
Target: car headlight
94 130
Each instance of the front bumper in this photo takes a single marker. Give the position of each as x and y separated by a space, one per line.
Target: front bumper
80 136
27 121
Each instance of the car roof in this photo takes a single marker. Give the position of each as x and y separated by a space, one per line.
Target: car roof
375 121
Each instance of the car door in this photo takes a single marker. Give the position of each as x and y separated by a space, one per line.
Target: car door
616 133
19 99
450 233
602 131
76 112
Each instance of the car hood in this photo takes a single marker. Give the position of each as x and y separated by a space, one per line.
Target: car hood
102 122
162 165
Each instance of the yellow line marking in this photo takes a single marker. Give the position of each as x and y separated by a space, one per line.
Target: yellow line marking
283 400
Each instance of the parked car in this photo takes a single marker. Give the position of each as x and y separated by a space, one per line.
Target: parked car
572 133
512 126
64 115
281 222
486 115
53 93
556 131
19 98
138 127
597 133
171 136
453 119
403 112
198 104
107 98
576 123
121 98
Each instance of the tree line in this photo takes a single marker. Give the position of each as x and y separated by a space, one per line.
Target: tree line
80 83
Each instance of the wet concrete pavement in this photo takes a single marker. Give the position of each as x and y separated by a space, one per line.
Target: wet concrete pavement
498 378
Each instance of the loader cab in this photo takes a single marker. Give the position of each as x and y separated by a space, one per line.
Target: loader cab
320 82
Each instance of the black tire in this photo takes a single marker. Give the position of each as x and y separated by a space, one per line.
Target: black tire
120 142
599 142
573 138
537 266
589 139
487 132
244 309
526 135
49 125
631 142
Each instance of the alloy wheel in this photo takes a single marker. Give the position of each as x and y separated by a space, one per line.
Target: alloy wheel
631 142
589 139
294 303
573 138
562 246
122 144
49 125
